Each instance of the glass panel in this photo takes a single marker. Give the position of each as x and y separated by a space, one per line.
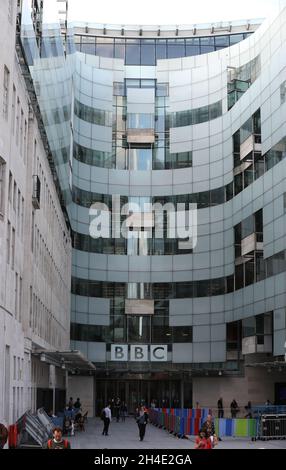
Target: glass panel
192 50
119 50
139 329
207 41
222 41
105 49
176 48
161 49
207 49
248 327
88 48
140 121
140 159
235 38
132 54
148 53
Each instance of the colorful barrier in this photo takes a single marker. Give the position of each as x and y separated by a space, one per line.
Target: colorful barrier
188 422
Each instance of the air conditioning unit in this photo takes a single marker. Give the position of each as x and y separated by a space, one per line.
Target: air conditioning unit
36 195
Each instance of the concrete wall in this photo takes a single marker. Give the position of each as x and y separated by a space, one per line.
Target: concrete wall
257 386
82 387
35 287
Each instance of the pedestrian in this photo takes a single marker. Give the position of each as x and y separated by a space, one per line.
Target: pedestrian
208 428
202 442
77 405
268 403
220 408
3 435
70 404
142 420
234 408
117 406
106 417
248 409
57 442
153 404
123 411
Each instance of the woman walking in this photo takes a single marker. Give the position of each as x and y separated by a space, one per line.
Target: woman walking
142 420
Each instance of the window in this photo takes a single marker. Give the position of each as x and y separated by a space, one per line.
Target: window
161 49
132 52
16 295
148 52
13 249
13 109
192 46
17 121
25 140
21 132
140 121
140 159
14 195
283 93
176 48
2 186
8 241
104 47
6 92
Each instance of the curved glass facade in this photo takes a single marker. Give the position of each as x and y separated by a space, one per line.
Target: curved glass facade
204 126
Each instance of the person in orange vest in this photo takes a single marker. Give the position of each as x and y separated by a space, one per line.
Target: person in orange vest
3 435
57 442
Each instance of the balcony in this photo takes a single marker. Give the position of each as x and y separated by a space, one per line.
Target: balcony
140 136
36 194
257 344
253 242
251 144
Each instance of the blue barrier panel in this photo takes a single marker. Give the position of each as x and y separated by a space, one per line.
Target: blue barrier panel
229 427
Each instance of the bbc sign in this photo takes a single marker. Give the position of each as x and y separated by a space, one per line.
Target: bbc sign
139 353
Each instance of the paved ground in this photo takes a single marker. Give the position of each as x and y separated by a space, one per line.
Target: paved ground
125 436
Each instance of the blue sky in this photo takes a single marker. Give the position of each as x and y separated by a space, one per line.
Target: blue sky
169 11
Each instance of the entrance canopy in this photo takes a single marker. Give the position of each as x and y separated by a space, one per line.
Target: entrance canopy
73 361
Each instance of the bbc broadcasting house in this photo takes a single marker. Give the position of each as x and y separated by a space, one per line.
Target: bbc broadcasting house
150 115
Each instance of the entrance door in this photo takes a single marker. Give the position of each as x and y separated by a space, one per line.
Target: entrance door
137 394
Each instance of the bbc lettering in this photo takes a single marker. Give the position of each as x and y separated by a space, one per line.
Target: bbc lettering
139 353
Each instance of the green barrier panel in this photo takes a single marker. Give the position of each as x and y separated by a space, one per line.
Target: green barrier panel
252 427
216 423
241 428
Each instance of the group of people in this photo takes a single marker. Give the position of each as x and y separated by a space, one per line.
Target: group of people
120 409
234 408
141 416
73 416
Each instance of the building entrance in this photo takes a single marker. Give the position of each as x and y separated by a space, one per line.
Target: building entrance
164 393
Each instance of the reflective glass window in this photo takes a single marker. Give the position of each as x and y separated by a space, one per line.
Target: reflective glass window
176 48
105 47
132 55
140 159
222 41
235 38
119 49
148 52
161 49
139 329
140 121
